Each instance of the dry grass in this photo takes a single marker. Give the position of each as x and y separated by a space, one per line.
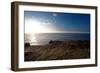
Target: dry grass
58 50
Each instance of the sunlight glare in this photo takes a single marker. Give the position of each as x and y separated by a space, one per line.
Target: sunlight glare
33 26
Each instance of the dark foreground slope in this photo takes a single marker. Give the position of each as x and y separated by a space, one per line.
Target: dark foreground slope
58 50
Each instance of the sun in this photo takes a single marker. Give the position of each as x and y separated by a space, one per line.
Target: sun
33 26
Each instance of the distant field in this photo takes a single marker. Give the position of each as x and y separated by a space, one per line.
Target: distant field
58 50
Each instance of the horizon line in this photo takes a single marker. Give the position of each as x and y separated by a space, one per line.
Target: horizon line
59 32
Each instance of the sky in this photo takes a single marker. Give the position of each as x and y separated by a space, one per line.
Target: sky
56 22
